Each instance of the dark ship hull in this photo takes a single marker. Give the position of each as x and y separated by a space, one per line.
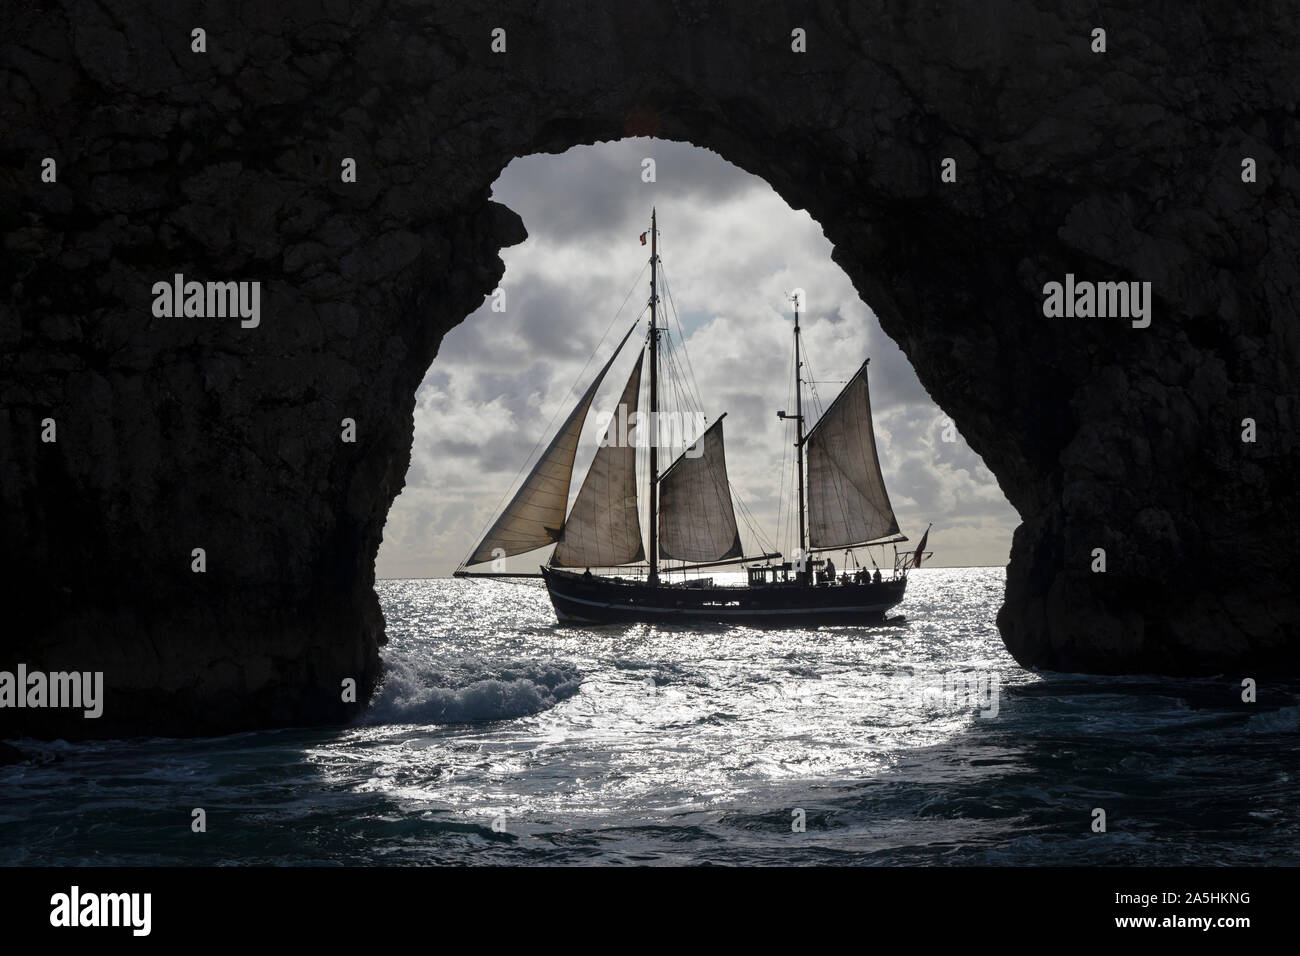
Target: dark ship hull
594 599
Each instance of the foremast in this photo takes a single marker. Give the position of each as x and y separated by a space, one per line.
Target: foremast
652 343
798 429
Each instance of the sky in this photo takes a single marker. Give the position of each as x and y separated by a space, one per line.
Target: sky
732 251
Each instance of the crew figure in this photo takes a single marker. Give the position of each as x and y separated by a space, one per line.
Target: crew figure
876 577
830 570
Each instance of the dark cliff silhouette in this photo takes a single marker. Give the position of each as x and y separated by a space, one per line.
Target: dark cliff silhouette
175 434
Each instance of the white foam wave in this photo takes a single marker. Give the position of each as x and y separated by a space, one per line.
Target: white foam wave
425 694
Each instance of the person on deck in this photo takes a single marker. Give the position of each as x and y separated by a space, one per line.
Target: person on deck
830 571
876 577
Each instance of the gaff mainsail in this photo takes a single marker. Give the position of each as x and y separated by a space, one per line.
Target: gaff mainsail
847 501
697 521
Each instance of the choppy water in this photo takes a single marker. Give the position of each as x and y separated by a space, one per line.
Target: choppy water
915 743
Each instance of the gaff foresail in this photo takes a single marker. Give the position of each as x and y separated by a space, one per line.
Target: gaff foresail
535 514
847 501
696 519
604 529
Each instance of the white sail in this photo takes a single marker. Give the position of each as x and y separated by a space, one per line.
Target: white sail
535 515
847 501
604 529
696 519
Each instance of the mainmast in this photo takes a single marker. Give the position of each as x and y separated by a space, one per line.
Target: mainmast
653 345
798 425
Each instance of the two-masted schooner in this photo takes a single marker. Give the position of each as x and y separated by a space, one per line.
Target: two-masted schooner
842 505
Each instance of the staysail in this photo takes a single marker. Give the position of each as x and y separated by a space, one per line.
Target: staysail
603 529
535 514
847 501
696 519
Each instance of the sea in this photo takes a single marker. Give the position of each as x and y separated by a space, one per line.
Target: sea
501 737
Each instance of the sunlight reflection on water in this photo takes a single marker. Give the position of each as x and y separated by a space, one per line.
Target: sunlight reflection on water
658 744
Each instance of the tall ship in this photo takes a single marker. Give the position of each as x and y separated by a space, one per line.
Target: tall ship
603 569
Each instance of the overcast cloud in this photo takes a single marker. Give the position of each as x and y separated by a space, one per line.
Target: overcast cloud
732 250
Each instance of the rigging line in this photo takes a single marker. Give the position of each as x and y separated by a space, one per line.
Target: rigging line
782 491
674 403
692 400
792 432
682 397
690 384
816 397
782 500
812 388
642 454
677 319
672 370
563 403
669 379
750 521
689 374
764 540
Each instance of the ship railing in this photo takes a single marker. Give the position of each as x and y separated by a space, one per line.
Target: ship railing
903 561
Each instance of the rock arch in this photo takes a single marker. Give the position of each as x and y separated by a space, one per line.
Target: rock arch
225 165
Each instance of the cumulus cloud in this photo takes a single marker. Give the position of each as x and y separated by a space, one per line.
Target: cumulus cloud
732 251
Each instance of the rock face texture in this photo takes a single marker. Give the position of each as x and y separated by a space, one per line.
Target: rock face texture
196 432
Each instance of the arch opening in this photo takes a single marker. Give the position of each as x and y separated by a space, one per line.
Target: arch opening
732 251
